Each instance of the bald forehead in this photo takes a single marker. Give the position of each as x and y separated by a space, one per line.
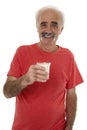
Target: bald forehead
48 10
48 14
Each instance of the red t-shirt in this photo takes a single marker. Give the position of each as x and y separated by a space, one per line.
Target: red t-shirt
40 106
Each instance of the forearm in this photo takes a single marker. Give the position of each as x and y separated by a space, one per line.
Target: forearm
71 104
13 87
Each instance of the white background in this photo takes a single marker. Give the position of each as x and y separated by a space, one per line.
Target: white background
17 27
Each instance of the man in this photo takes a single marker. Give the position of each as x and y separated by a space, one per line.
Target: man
44 101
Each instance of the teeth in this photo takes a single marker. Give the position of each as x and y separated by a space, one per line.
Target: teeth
48 35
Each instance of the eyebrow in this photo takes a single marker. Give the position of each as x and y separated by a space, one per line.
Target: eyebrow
54 22
43 22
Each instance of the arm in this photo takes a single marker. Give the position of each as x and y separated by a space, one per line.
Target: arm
71 104
14 86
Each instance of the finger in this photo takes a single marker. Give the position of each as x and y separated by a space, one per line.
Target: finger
40 80
38 67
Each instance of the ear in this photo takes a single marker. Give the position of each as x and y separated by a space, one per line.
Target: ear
36 27
61 29
37 30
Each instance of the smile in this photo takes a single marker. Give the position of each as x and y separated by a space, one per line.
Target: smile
48 35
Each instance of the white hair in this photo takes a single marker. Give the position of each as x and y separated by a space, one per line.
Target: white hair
60 14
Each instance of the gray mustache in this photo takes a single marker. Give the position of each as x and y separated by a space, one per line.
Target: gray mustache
48 35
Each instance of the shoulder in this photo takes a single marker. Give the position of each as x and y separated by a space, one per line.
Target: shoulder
67 55
24 48
66 51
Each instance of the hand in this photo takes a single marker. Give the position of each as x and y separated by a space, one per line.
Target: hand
68 128
36 73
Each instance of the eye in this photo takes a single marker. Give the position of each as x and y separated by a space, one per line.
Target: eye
54 24
43 24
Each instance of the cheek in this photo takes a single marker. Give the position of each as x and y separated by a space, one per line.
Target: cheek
39 30
57 32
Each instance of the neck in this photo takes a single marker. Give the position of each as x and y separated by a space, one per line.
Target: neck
48 48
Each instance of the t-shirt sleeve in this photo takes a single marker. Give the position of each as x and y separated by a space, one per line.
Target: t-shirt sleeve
75 76
15 67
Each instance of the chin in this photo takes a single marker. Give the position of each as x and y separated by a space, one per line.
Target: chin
47 41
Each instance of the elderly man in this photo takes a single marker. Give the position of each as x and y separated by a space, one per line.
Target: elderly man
44 101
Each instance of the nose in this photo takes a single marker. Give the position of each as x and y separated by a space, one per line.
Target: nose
48 28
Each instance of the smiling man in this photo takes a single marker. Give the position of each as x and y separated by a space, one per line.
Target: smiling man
49 24
44 101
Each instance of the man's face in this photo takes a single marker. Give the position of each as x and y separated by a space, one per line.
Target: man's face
48 27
